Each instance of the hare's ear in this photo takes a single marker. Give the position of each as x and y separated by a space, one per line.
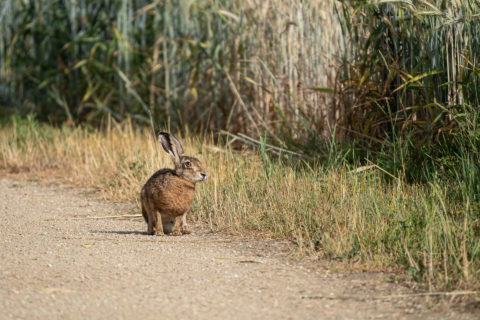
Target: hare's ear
171 146
178 146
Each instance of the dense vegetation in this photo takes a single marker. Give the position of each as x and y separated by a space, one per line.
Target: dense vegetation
207 64
389 90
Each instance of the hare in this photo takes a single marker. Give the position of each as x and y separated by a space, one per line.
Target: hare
167 196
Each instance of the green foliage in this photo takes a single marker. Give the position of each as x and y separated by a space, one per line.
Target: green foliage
410 84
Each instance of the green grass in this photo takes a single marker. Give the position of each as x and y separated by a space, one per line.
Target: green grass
360 218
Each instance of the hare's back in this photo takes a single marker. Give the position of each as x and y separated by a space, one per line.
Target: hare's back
168 193
158 181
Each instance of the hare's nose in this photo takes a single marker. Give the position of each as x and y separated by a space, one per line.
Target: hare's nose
203 175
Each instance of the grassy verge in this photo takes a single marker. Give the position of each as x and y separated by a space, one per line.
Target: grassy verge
429 231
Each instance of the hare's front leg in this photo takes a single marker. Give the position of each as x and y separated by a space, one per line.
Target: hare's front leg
176 226
158 226
183 225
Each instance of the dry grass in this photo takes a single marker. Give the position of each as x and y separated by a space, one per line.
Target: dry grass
339 214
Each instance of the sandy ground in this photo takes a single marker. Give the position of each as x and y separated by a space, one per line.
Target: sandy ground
56 262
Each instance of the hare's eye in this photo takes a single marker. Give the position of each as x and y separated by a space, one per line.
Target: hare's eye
188 164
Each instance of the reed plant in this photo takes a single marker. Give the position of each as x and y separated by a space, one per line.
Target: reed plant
410 83
241 66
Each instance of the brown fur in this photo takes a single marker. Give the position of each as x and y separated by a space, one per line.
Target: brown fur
167 196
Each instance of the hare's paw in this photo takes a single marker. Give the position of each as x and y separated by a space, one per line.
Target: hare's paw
176 226
150 230
153 232
176 233
158 231
185 230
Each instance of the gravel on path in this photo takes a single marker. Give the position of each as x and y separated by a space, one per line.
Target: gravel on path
61 258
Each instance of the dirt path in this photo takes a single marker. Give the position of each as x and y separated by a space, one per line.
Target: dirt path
56 264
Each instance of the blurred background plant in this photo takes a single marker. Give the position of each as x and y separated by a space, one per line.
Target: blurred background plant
239 66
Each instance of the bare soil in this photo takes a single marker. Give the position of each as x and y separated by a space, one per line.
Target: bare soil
66 255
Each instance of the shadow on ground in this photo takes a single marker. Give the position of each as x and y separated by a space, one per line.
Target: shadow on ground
120 232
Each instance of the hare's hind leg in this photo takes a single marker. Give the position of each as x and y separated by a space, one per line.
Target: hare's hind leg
183 225
153 219
152 223
149 216
144 213
148 212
